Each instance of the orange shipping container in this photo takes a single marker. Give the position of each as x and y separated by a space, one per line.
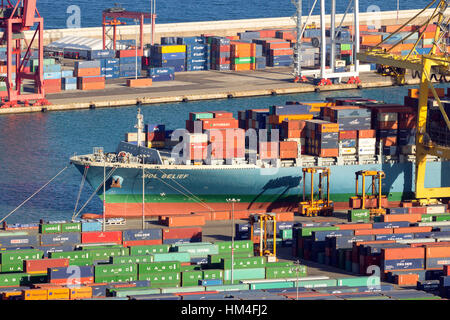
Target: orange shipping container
402 217
437 252
185 220
372 231
414 93
364 134
402 253
87 72
80 293
91 86
242 66
144 82
407 279
35 294
220 215
58 294
355 226
413 229
285 216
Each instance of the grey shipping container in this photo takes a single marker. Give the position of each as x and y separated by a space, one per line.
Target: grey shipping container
61 238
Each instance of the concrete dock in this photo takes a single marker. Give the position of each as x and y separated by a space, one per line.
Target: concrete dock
195 86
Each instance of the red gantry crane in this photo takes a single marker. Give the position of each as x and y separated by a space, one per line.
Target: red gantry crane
112 18
14 20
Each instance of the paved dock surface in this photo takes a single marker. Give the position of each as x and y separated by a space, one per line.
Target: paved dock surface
195 86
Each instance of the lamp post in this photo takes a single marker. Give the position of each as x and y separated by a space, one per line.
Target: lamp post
135 46
143 193
233 201
104 192
296 269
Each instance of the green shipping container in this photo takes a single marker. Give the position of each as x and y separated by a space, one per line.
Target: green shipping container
105 254
132 259
190 268
50 228
202 115
216 258
427 218
71 255
271 285
12 267
285 272
279 264
10 279
239 246
14 256
71 227
358 281
244 60
212 274
81 262
172 256
197 250
183 289
358 215
157 267
316 283
228 287
151 249
29 279
191 278
115 278
161 278
245 274
116 269
442 217
286 234
239 263
306 232
125 292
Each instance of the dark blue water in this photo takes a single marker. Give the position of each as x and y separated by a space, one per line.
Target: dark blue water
34 147
55 12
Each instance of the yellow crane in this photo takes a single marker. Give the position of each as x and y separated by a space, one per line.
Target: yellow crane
376 193
267 226
424 65
322 205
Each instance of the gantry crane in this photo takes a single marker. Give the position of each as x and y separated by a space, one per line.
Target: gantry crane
439 62
14 20
322 205
112 18
268 225
376 194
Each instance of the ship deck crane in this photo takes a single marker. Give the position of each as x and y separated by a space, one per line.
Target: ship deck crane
423 64
14 20
322 205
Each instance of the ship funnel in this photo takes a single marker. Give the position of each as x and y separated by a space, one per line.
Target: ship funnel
140 126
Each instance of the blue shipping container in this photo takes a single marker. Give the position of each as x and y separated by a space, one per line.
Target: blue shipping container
61 238
400 264
91 226
148 234
71 271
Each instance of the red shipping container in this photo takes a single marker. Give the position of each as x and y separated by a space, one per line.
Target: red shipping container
288 154
412 218
197 151
86 72
402 253
293 124
182 233
407 279
268 150
142 242
413 229
222 61
328 153
73 281
279 45
365 134
185 220
129 53
349 134
220 124
223 48
372 231
281 52
41 265
285 216
102 237
447 270
354 226
91 79
222 114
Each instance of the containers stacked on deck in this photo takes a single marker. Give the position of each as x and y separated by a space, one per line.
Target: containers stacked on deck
220 53
253 119
89 75
242 56
163 56
198 53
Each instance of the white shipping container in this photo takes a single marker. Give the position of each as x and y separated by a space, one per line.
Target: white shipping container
387 116
133 136
339 63
362 68
367 142
435 209
197 138
366 150
347 151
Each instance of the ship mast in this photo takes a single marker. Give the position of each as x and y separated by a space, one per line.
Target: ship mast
139 126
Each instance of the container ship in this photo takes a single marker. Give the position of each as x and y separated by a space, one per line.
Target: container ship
220 158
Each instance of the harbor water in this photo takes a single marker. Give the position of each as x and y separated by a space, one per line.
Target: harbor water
34 147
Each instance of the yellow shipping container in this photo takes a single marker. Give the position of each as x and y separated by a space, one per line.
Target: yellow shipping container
35 294
58 294
8 295
279 119
172 48
80 293
156 144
